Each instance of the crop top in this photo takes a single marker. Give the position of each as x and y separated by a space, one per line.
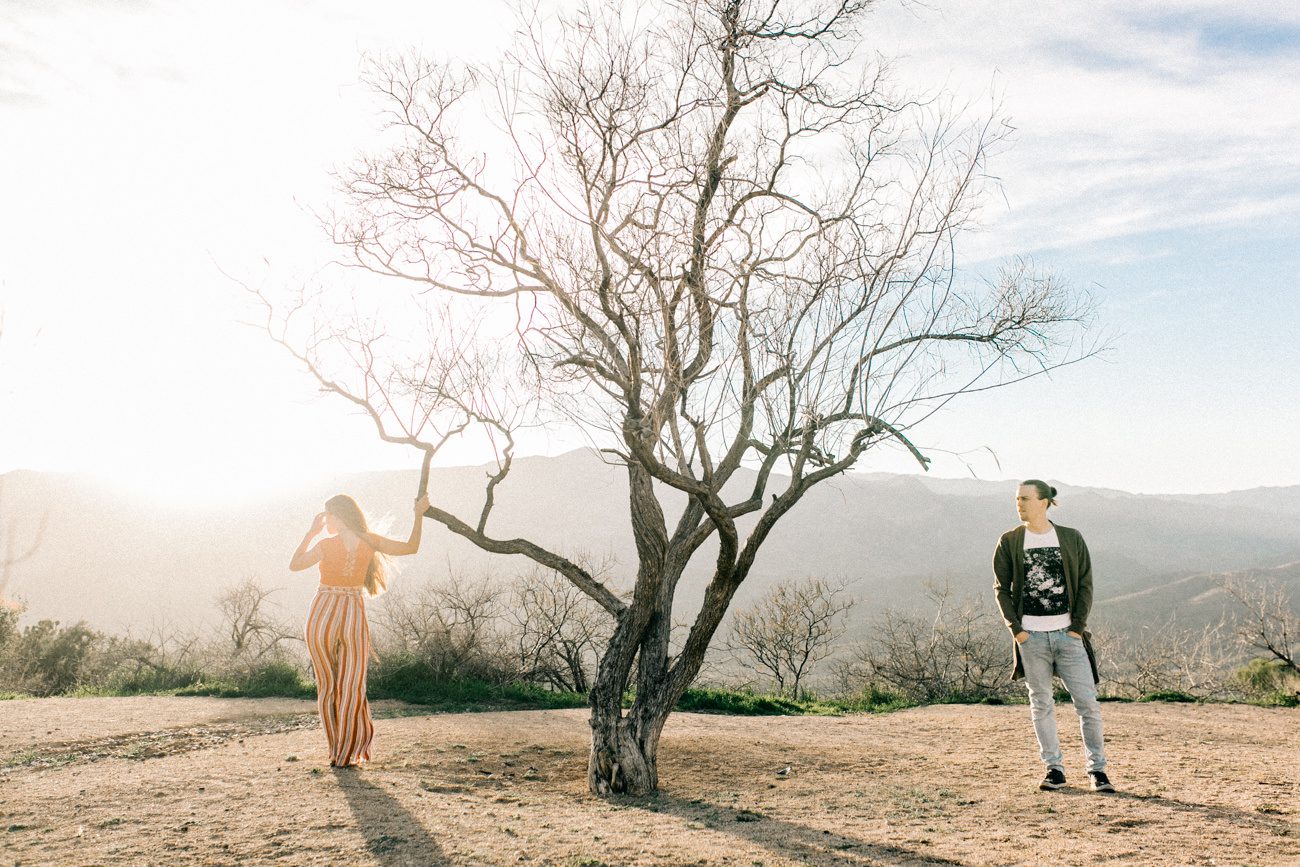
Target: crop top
341 568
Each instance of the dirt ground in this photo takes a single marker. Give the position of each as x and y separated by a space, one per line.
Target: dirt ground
212 781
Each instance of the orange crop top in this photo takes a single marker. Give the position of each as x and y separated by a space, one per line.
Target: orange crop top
341 568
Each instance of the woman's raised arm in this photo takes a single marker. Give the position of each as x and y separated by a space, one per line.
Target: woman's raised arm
395 547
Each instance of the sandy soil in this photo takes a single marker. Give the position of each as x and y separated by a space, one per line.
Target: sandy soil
164 781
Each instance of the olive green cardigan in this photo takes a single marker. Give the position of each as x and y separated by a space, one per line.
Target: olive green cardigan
1009 583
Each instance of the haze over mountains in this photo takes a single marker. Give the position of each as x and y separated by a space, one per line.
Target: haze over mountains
119 562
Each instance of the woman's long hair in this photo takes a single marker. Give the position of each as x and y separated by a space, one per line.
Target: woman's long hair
346 510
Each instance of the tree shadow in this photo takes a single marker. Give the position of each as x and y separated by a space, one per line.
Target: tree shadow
393 836
786 839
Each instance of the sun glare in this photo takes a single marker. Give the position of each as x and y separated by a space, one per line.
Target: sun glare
201 486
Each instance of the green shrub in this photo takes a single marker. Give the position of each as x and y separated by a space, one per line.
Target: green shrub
1265 679
1280 699
277 678
44 658
873 699
406 677
400 676
1171 695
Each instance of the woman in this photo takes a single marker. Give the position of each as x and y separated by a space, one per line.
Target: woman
351 560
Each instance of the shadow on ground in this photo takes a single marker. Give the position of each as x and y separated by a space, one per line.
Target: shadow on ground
393 836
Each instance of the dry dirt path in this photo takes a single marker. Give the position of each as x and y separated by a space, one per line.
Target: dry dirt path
167 781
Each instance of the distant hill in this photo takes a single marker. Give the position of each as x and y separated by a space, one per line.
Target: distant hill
118 561
1190 601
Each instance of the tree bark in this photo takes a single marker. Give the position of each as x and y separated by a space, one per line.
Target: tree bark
625 746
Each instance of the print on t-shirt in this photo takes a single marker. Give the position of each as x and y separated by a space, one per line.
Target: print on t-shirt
1045 582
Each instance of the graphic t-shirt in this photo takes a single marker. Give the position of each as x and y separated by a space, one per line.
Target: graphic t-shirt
1047 605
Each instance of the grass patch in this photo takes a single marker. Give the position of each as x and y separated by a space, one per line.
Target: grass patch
746 703
155 681
737 702
1280 699
873 699
273 680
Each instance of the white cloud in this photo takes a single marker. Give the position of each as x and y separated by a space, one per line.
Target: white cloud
1128 122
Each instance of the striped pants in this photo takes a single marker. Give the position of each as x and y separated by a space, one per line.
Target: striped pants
338 639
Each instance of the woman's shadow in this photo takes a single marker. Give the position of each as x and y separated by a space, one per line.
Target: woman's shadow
393 835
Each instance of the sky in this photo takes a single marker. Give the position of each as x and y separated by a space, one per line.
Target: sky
149 150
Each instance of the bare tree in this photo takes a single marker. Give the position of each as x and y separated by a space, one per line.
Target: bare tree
790 629
253 630
559 631
720 241
1270 622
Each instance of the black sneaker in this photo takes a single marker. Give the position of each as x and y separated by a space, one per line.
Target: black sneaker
1054 780
1100 782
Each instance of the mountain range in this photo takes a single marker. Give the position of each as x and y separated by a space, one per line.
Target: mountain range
126 562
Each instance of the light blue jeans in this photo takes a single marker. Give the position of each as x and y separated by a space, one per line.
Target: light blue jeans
1042 653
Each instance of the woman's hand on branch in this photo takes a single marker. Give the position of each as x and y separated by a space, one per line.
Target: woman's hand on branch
396 547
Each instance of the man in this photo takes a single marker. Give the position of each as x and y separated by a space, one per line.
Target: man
1044 588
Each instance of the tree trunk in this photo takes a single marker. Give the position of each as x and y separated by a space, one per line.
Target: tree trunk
624 761
625 746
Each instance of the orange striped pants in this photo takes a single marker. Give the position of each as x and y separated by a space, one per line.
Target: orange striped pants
338 639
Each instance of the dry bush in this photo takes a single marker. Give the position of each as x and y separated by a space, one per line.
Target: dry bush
253 629
1167 658
960 652
46 658
1215 661
454 627
164 657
